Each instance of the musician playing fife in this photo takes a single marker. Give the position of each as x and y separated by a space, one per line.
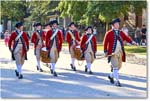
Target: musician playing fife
114 49
54 41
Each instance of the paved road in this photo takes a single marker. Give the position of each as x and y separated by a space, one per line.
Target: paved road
69 84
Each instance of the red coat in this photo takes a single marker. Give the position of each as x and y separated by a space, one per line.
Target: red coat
59 40
70 40
93 43
110 42
12 42
35 38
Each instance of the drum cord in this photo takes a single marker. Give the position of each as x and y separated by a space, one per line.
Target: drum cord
80 64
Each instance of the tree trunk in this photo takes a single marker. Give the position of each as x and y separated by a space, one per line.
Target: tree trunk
5 24
138 20
107 27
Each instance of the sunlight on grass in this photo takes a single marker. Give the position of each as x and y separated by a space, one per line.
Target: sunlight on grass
129 49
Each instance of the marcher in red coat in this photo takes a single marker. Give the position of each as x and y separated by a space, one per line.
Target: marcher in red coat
73 39
114 49
54 41
18 46
89 48
38 39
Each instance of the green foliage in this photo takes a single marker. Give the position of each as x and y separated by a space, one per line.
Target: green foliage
13 9
40 9
73 9
85 11
138 5
80 11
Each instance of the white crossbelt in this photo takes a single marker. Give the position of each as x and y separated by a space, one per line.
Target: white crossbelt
19 35
89 39
72 36
55 33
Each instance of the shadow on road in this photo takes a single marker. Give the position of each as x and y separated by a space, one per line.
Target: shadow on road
122 77
67 85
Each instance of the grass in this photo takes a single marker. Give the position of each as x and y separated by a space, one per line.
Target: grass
136 49
65 44
128 49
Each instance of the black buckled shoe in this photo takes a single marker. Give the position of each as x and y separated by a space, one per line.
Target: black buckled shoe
51 71
90 72
41 70
118 84
74 68
55 74
111 79
20 76
71 66
86 68
17 73
37 67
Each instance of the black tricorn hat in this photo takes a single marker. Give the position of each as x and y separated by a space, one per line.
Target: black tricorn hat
54 21
19 24
71 23
88 28
114 21
37 24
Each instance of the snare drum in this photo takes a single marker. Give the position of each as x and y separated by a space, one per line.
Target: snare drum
78 53
44 55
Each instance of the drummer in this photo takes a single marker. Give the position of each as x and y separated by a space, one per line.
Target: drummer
38 38
54 41
73 40
89 48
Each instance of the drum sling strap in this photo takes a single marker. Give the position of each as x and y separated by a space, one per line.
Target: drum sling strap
39 35
72 36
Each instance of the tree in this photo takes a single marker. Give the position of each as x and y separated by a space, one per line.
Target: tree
14 10
73 9
98 12
137 7
40 9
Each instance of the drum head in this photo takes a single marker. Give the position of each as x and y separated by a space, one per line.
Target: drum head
44 49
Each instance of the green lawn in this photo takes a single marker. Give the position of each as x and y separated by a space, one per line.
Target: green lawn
128 49
136 49
65 44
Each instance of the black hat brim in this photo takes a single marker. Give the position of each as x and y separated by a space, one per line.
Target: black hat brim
53 22
19 24
87 28
115 21
72 23
37 24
